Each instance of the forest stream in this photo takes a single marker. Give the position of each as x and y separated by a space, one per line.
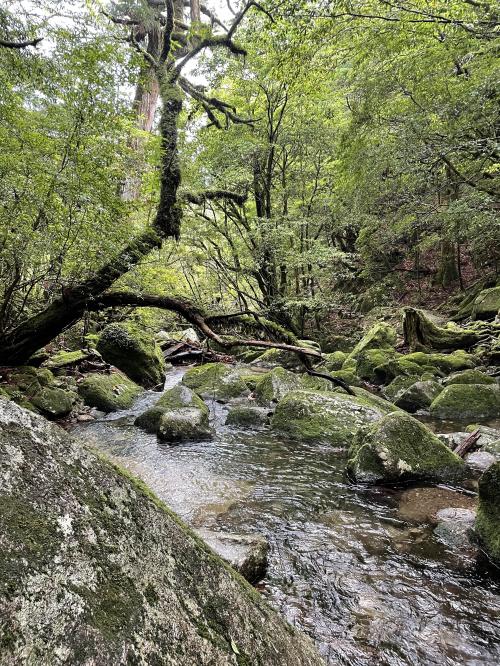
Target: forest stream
354 567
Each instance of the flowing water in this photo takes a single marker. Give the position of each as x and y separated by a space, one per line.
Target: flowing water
346 565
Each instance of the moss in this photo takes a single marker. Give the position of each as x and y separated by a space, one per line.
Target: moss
53 402
380 336
335 360
400 448
246 415
396 366
251 379
467 401
64 359
370 359
347 376
488 513
215 380
275 385
109 393
422 334
469 377
487 304
398 384
324 416
133 352
459 360
419 395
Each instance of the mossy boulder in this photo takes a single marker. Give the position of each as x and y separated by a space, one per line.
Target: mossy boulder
458 360
418 396
370 359
247 416
380 336
399 384
315 416
334 361
469 377
178 416
486 304
97 570
275 386
109 393
54 403
217 381
400 448
67 359
487 525
397 366
273 358
134 352
467 401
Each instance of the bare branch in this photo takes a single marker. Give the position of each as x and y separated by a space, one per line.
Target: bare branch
211 42
211 195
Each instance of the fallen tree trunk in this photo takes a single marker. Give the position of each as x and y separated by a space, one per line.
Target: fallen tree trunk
421 334
468 444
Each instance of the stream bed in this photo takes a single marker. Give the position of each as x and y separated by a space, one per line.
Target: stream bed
346 565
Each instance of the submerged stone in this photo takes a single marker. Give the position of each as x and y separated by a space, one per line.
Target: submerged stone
134 352
109 393
400 448
467 401
325 416
96 570
246 553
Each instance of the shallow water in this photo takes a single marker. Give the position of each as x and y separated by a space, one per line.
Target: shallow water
368 585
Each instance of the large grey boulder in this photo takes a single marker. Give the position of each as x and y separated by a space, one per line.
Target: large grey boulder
96 570
418 396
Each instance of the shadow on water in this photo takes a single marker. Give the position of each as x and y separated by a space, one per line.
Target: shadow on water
368 584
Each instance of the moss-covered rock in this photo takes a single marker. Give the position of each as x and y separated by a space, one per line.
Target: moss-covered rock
467 401
275 385
273 358
400 448
216 381
334 361
486 304
371 359
247 416
399 384
418 396
325 416
178 416
397 366
66 359
133 352
488 514
458 360
54 403
349 377
380 336
96 570
109 393
469 377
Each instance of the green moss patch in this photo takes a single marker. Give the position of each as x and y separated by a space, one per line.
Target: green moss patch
109 393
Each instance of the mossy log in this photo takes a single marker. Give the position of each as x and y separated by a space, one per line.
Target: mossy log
421 334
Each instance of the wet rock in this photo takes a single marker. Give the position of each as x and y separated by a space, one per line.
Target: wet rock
108 393
467 401
178 416
216 381
418 396
471 376
325 416
400 448
487 524
276 385
134 352
247 553
96 570
454 527
185 335
247 416
480 460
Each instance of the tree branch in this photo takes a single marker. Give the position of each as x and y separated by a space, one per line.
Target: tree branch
211 195
20 45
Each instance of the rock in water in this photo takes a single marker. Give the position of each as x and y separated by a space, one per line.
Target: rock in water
96 570
133 352
314 416
216 381
178 416
400 448
109 393
247 553
488 513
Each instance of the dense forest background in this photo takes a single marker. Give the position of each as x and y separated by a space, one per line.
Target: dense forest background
333 157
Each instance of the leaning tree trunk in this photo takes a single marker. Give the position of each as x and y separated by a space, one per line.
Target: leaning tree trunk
18 345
